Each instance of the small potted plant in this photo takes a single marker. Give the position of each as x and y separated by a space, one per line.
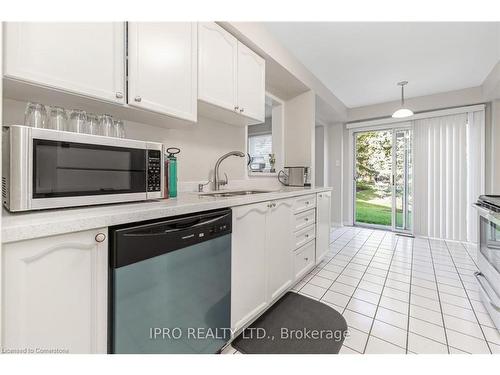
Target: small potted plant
272 162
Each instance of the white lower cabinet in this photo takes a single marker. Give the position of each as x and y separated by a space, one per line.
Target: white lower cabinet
323 223
303 260
279 261
248 267
54 293
261 265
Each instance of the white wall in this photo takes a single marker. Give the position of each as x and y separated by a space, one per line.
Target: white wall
201 145
299 131
491 85
335 169
320 156
492 147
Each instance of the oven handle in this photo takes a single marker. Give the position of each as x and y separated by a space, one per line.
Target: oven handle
494 302
482 211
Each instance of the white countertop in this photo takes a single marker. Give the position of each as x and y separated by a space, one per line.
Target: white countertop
35 224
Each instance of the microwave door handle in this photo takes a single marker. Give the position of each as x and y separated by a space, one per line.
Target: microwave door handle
493 301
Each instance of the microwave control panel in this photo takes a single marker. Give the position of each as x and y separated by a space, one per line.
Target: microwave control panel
154 170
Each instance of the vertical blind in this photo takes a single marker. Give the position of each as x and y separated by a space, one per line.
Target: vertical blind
448 175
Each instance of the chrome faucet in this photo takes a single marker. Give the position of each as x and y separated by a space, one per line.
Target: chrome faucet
217 182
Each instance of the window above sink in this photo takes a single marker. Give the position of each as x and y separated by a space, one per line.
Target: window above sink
265 140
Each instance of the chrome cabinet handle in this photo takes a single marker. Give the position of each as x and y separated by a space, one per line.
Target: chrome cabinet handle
119 95
100 237
306 219
236 108
307 236
242 110
137 98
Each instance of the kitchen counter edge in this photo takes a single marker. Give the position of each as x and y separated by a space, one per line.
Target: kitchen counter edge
38 224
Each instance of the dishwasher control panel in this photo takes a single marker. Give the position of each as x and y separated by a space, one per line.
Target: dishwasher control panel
134 243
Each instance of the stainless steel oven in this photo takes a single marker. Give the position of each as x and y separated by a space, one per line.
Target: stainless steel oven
488 277
43 168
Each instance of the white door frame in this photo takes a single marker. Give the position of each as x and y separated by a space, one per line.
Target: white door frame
393 181
352 155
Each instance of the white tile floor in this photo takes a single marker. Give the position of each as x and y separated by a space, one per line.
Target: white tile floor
402 295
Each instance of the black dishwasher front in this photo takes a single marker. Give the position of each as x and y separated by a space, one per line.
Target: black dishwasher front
170 285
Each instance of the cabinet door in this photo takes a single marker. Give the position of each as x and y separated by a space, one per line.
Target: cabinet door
251 83
163 67
55 293
323 219
84 58
279 247
248 263
217 60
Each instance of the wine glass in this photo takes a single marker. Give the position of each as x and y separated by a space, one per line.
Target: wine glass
58 119
118 129
35 115
77 120
106 125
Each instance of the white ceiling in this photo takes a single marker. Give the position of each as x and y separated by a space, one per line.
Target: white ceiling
361 62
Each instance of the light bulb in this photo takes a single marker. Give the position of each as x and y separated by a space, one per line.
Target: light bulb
402 113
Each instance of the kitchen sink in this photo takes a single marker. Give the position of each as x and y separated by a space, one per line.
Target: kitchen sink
223 194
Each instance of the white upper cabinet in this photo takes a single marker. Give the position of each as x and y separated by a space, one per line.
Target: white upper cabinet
251 83
54 293
82 58
163 68
323 224
230 75
217 66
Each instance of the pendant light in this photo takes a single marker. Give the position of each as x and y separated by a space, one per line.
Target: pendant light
402 112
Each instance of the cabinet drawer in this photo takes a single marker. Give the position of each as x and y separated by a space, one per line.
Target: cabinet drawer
303 260
304 219
304 203
305 235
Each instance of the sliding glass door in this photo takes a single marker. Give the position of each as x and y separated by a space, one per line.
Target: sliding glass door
383 179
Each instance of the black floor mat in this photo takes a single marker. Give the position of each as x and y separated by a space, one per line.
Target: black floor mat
294 325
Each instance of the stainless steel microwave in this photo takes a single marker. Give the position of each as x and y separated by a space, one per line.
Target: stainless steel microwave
43 168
